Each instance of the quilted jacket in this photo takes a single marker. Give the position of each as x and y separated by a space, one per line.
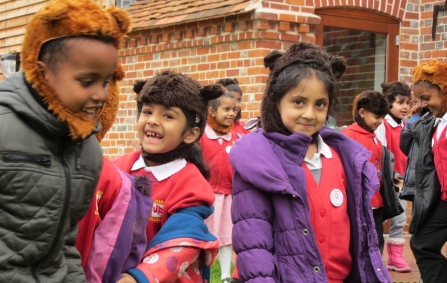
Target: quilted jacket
47 181
272 232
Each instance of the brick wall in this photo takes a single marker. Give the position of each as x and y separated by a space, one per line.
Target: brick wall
232 46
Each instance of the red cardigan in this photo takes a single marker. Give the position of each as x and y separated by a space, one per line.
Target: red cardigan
440 155
392 136
373 144
328 205
217 157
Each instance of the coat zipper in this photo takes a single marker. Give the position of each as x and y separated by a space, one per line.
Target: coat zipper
43 160
64 209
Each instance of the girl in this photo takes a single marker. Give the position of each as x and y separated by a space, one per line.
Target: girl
429 221
232 85
216 144
369 110
172 110
398 95
302 192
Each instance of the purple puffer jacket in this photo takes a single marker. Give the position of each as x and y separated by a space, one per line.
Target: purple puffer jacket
272 232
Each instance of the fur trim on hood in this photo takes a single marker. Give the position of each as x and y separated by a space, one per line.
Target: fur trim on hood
434 72
70 18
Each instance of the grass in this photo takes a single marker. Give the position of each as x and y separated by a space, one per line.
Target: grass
215 272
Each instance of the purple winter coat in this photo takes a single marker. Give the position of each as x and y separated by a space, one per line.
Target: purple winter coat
272 232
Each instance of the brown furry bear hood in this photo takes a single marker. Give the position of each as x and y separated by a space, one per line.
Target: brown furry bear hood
70 18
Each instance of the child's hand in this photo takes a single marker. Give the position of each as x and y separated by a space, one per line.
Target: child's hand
398 183
127 279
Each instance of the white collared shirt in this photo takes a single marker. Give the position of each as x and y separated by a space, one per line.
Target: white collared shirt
323 149
440 123
381 132
160 172
211 134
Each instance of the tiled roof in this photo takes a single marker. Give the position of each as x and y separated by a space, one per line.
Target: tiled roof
158 13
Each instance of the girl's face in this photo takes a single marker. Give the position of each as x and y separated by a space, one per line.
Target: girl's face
304 108
225 112
431 98
162 129
401 106
372 120
238 97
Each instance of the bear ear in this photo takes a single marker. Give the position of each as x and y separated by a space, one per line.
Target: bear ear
338 66
384 86
138 86
211 92
122 19
55 12
270 59
118 73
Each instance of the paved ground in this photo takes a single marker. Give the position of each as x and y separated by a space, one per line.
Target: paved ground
413 276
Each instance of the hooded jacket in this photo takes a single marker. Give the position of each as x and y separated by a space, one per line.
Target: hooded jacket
272 232
47 181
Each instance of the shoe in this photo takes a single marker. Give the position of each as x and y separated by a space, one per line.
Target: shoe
395 247
226 280
236 280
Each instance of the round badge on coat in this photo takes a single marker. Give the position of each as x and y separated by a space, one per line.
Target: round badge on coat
227 149
337 197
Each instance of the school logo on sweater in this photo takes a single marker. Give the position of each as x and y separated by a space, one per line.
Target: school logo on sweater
157 210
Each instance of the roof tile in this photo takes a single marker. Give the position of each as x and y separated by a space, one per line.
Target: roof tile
157 13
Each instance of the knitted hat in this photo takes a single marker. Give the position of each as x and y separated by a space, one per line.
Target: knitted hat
372 101
434 72
70 18
394 89
299 53
173 89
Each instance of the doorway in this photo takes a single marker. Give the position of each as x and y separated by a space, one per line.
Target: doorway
369 42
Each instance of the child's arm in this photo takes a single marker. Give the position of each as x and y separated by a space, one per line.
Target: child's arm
252 232
165 265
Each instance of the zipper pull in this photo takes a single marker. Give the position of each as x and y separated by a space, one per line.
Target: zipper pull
78 155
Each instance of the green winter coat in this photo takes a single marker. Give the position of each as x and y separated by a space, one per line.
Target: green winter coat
47 181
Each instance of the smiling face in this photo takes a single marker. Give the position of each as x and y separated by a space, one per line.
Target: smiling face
238 97
162 129
431 97
225 112
304 108
401 106
372 120
81 79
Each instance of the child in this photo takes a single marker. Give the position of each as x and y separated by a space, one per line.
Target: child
112 235
172 111
302 192
388 133
216 144
429 221
369 110
50 160
232 85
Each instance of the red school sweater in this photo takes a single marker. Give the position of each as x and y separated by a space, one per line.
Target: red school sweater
392 135
328 205
217 157
183 189
373 144
440 157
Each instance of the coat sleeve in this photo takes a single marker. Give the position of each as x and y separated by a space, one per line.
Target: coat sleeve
75 273
406 139
252 232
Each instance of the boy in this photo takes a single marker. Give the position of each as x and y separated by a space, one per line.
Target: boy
50 160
